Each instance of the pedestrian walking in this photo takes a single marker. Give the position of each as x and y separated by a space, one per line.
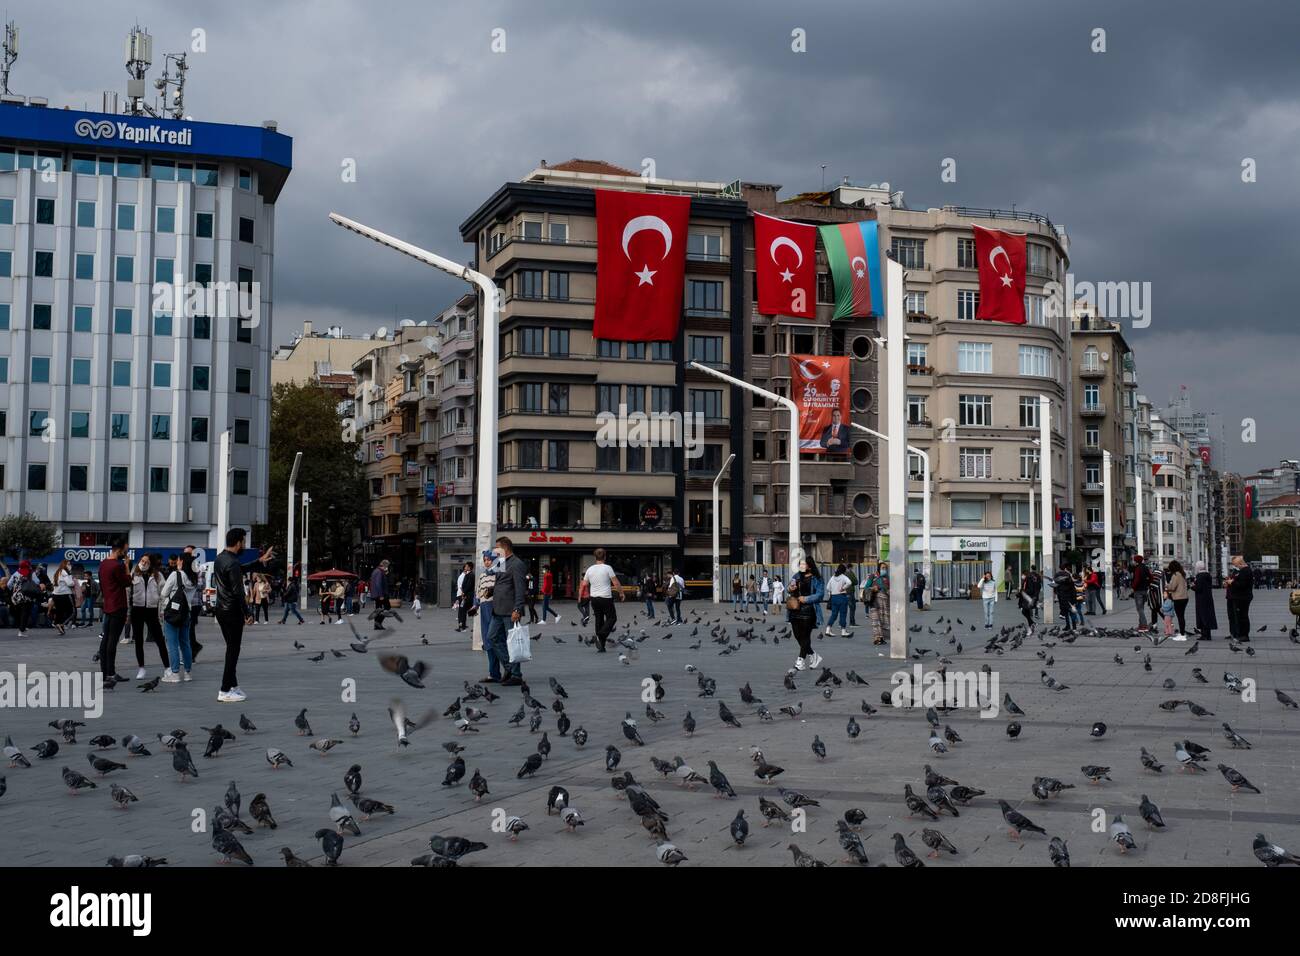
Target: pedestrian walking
837 591
601 583
114 589
62 606
290 597
989 595
764 592
1176 590
1141 581
853 595
146 585
673 597
1092 581
918 591
464 595
483 589
530 597
379 591
508 597
806 591
778 592
548 590
737 593
174 616
646 591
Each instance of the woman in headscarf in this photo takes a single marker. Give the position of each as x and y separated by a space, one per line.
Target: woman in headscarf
1203 588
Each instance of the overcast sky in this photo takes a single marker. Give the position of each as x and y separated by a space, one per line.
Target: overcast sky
1137 151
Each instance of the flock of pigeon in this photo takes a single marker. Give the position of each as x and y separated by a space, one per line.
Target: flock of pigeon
479 709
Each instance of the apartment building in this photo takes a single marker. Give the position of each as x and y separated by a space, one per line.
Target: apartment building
313 356
562 492
457 429
839 506
1171 479
1102 382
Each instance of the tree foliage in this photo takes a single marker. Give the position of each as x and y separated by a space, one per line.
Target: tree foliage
304 418
26 535
1274 538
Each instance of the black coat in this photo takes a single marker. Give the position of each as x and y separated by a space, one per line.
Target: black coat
1203 586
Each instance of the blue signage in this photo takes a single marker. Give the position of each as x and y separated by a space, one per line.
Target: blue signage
91 556
1067 519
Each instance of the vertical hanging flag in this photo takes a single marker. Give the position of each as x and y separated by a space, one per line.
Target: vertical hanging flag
785 258
1000 257
819 385
853 250
640 265
1248 502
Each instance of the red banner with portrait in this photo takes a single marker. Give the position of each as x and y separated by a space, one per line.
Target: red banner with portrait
819 385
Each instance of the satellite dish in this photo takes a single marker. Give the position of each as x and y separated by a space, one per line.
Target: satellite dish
1105 356
403 359
381 332
429 342
406 323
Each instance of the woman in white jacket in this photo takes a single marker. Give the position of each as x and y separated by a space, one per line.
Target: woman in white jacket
989 592
175 598
146 583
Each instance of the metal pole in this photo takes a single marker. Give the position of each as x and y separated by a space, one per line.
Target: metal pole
223 492
1106 568
486 478
795 548
306 540
289 542
1031 518
895 335
1045 490
1138 484
717 533
925 500
1160 529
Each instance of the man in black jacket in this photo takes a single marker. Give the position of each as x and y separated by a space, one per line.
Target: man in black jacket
230 611
464 595
1241 591
507 602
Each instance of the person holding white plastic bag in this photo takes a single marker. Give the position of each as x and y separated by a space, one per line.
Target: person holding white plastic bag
508 598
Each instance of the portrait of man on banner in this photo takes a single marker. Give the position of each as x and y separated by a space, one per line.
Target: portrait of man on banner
820 387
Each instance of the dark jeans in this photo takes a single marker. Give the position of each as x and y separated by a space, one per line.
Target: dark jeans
290 607
1242 611
232 631
381 603
144 621
547 609
462 612
802 626
606 617
485 617
650 607
497 640
674 609
1180 611
264 609
113 624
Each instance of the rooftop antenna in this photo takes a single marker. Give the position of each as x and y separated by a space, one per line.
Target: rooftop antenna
139 57
172 86
9 56
824 177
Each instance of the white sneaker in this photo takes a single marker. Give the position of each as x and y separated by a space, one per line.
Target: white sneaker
816 661
798 663
140 674
227 697
186 677
171 677
239 694
557 619
339 621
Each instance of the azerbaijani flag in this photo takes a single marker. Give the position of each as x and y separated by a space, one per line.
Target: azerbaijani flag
853 251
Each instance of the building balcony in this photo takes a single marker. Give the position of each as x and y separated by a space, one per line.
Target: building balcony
1092 488
1092 372
1087 449
1097 410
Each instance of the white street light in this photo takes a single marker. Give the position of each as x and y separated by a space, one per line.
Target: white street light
895 334
293 481
925 501
717 532
306 541
1139 485
486 499
795 549
223 492
1106 564
1045 471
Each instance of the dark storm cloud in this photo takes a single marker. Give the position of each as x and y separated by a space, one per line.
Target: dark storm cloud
1137 151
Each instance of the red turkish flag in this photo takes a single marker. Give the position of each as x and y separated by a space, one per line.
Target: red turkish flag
1000 257
640 265
785 258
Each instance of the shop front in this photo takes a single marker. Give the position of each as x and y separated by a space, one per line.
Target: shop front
568 553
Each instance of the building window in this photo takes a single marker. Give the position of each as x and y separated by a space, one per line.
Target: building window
45 212
85 214
607 458
557 455
528 283
975 463
968 303
245 229
607 348
120 425
164 270
117 479
162 374
557 398
910 253
1091 359
1028 464
243 381
531 341
1039 259
203 274
124 269
40 370
918 355
914 303
558 231
1015 513
636 351
530 453
557 287
85 265
200 378
559 342
965 252
1092 437
6 212
239 482
245 179
36 422
661 398
661 460
975 357
121 374
162 323
635 458
915 466
530 397
706 246
36 477
198 481
126 216
202 327
916 409
634 398
241 431
703 296
80 425
1029 411
6 264
44 268
158 480
967 514
78 477
706 349
80 371
975 410
607 398
1034 312
1036 360
203 225
706 402
165 219
1091 396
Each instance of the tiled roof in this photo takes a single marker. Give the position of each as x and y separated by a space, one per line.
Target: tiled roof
596 166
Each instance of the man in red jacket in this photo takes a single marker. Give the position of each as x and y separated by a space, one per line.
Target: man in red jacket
548 588
114 583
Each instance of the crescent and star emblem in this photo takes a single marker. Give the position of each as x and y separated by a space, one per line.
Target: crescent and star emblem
993 257
859 270
639 224
777 243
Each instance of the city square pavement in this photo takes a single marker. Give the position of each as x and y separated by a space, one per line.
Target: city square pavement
1207 823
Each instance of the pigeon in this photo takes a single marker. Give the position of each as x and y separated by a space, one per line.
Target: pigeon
182 762
225 820
612 757
1198 710
341 817
903 854
304 728
1234 738
719 781
853 728
772 811
916 805
515 826
103 766
1186 759
120 794
818 747
851 843
228 846
1270 854
277 758
1058 853
1098 730
1017 822
669 854
232 798
477 784
580 737
215 743
1013 729
794 798
331 845
1095 773
354 725
324 745
1151 813
1236 779
939 797
1011 706
766 771
1121 835
630 732
246 725
727 716
137 860
739 828
531 765
964 795
855 817
572 819
290 859
937 746
404 726
1285 700
103 742
1150 762
455 772
936 841
45 749
803 859
951 735
454 848
260 810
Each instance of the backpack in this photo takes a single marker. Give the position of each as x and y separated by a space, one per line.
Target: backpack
177 611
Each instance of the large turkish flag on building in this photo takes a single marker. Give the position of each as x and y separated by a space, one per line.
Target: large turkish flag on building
1000 257
785 258
640 265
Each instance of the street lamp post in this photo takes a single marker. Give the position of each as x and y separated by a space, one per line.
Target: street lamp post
795 549
717 532
1106 569
1139 484
925 501
486 478
895 335
306 540
289 542
1045 490
223 492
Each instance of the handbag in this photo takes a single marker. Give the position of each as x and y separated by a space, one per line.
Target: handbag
518 645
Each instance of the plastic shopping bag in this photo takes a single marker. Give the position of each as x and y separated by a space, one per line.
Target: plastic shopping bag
517 642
